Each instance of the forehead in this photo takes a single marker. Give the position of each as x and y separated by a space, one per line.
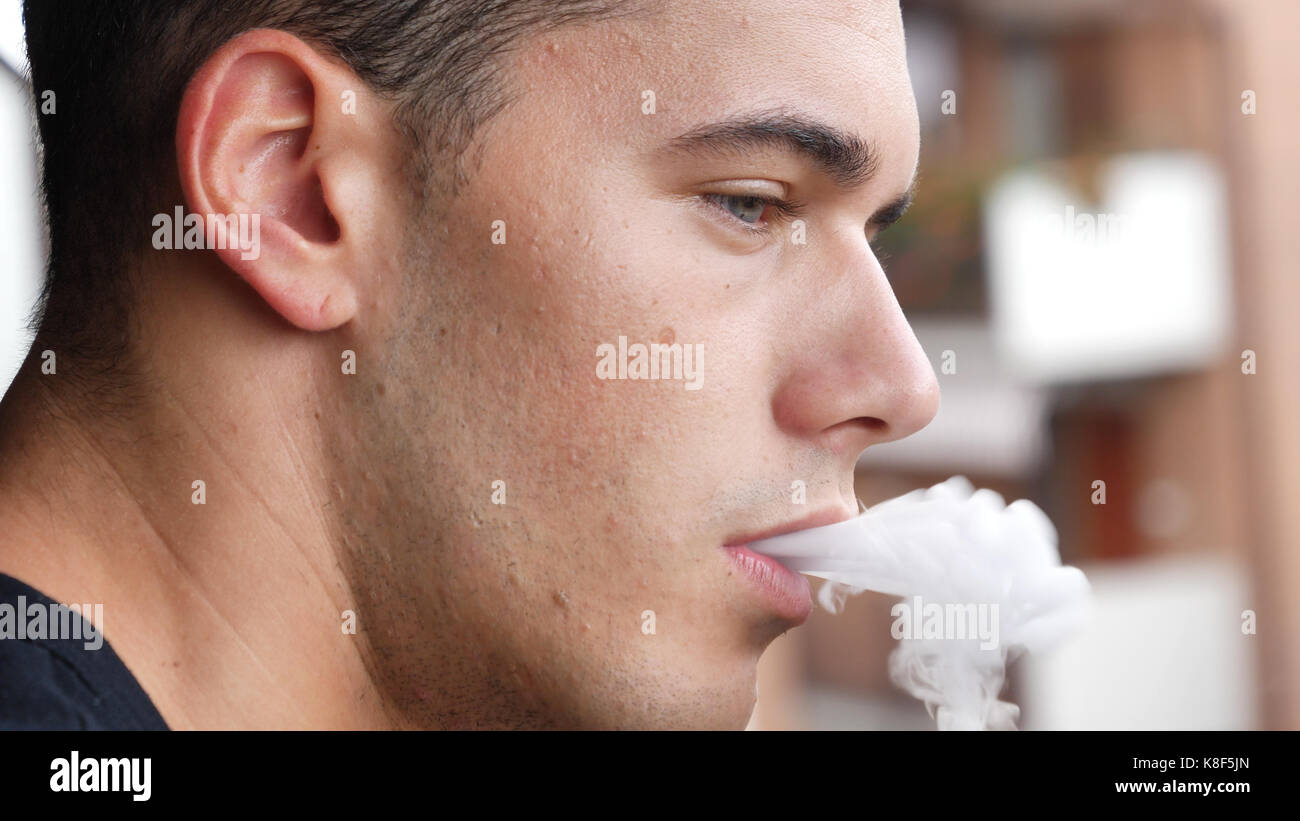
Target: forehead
840 61
803 50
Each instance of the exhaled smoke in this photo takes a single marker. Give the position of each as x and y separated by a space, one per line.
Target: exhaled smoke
981 582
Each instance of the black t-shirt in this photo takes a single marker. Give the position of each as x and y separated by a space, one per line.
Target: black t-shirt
59 684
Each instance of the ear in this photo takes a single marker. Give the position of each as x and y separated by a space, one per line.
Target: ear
262 136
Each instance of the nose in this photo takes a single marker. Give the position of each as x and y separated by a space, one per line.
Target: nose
858 376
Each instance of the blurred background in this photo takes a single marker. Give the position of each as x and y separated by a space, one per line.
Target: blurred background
1102 265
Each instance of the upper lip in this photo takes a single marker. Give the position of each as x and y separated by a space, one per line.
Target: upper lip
826 516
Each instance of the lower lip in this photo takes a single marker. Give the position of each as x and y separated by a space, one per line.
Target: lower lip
788 594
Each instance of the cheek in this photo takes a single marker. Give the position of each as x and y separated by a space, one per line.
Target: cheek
536 309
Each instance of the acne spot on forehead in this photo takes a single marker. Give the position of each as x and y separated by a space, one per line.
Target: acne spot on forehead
667 335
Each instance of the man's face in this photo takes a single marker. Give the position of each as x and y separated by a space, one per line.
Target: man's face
540 543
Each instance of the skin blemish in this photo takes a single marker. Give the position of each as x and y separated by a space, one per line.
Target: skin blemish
561 598
667 335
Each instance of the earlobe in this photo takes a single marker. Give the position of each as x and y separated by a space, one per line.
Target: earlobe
251 145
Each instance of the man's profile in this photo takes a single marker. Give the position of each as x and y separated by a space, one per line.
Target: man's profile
340 451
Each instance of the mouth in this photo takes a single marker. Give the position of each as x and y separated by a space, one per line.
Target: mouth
787 594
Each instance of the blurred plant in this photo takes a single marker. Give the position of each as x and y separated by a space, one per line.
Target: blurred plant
933 257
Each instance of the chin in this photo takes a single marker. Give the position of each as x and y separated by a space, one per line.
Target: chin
717 705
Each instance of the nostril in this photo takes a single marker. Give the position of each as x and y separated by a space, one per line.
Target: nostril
852 436
872 424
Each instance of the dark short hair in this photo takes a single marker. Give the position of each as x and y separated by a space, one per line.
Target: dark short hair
118 69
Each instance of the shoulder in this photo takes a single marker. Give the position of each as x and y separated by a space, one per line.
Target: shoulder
39 690
52 682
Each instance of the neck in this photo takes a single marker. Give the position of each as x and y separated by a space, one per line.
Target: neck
226 599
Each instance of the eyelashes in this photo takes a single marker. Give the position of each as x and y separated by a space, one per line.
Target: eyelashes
767 212
760 215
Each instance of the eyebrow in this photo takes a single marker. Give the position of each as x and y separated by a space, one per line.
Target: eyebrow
849 161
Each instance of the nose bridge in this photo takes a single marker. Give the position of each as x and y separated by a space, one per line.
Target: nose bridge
869 380
896 375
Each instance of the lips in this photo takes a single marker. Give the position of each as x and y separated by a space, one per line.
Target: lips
786 594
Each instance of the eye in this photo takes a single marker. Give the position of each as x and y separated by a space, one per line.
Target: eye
749 209
744 208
